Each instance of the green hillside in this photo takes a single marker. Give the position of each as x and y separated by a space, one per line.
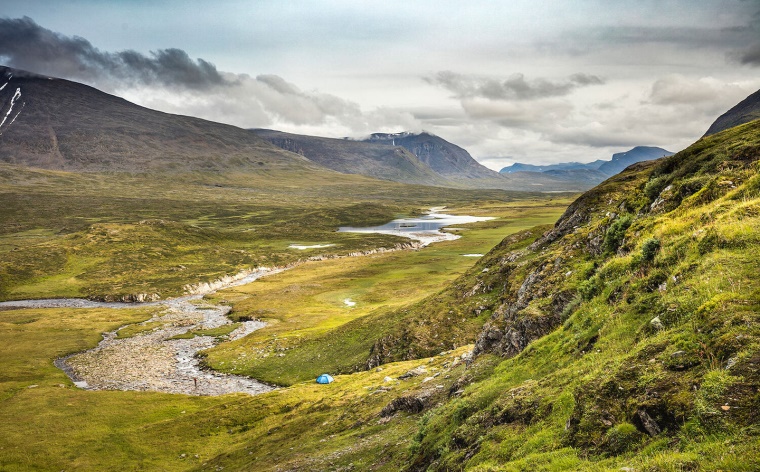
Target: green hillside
630 329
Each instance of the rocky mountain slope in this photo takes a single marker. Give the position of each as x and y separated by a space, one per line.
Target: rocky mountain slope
57 124
443 157
744 112
355 157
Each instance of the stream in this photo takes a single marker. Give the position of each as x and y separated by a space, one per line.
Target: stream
153 361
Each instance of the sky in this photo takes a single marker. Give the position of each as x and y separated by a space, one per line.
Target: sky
528 81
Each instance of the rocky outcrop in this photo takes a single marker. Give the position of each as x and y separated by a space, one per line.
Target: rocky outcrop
410 403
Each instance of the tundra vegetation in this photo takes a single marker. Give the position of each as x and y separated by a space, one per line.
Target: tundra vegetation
625 336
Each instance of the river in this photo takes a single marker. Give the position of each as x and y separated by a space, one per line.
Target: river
154 361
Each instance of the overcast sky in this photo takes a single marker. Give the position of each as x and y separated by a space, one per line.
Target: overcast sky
513 81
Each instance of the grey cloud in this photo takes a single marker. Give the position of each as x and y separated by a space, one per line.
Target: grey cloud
516 87
172 76
751 55
26 45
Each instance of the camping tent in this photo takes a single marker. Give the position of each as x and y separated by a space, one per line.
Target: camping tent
324 379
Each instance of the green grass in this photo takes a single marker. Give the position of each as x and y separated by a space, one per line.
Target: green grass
76 235
571 400
48 424
310 328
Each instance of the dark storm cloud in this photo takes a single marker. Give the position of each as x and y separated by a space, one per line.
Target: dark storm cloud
26 45
516 87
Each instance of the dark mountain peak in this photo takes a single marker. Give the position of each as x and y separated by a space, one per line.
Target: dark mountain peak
745 111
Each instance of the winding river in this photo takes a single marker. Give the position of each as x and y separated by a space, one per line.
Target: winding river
155 360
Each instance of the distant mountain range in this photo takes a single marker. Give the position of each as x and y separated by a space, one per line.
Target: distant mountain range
58 124
590 173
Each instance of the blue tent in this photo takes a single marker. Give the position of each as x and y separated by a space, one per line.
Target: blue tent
324 379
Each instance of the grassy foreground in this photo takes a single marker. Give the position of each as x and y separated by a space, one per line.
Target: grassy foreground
48 424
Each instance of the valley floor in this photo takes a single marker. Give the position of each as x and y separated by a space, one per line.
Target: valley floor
49 424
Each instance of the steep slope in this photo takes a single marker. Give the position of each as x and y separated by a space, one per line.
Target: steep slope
57 124
631 329
442 156
744 112
356 157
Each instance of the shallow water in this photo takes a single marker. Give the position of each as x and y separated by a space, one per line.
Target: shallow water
426 229
151 361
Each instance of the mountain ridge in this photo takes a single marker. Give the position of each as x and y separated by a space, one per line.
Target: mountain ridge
743 112
64 125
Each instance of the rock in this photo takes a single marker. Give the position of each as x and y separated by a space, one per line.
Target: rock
388 379
650 425
656 324
413 373
411 404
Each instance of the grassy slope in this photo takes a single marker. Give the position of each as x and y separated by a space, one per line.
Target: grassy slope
48 424
676 337
311 330
67 234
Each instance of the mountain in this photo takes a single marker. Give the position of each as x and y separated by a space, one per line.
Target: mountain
520 167
619 161
443 157
579 176
357 157
411 158
58 124
744 112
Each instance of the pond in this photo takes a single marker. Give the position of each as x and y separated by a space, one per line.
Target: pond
425 229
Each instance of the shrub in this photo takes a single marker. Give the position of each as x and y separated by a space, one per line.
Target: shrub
622 437
654 186
650 249
616 232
